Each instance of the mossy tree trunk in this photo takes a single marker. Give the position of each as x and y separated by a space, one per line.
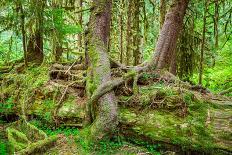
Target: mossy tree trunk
35 43
162 12
99 69
128 33
201 67
80 21
22 22
136 33
169 33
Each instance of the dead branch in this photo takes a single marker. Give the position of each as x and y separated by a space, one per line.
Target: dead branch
70 68
59 104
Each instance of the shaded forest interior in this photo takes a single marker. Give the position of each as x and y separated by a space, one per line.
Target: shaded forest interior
116 77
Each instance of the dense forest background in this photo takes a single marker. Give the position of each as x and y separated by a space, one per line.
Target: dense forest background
101 68
134 31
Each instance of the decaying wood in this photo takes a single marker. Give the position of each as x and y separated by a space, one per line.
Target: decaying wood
137 125
67 67
39 146
59 104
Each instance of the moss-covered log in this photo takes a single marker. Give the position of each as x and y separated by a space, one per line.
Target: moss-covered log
205 127
39 146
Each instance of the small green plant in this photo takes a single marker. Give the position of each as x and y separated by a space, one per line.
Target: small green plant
66 130
3 148
152 148
7 106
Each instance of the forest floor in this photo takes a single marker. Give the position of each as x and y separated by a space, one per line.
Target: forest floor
164 117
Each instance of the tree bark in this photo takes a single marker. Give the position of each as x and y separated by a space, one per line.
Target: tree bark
22 19
136 35
216 19
121 30
128 33
203 43
80 23
35 44
162 12
168 37
99 69
173 65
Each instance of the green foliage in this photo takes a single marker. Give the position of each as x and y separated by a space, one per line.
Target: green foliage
3 148
59 23
152 148
8 106
49 130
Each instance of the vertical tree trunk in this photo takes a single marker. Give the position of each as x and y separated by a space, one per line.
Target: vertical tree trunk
216 19
203 43
80 23
22 19
121 30
169 33
128 33
99 69
136 33
39 32
145 27
173 65
57 36
162 12
35 44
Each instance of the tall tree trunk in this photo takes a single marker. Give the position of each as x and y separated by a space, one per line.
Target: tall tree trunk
169 33
39 32
35 44
173 65
99 69
162 12
121 30
203 43
136 33
128 33
22 19
146 24
216 19
80 23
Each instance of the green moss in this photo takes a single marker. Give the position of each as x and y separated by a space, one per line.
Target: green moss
17 139
166 126
72 109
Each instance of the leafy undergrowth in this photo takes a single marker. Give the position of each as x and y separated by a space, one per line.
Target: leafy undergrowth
3 139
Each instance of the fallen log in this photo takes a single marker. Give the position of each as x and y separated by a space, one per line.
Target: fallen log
189 133
67 67
38 147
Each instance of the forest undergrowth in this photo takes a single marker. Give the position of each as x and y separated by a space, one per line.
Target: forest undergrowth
164 115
